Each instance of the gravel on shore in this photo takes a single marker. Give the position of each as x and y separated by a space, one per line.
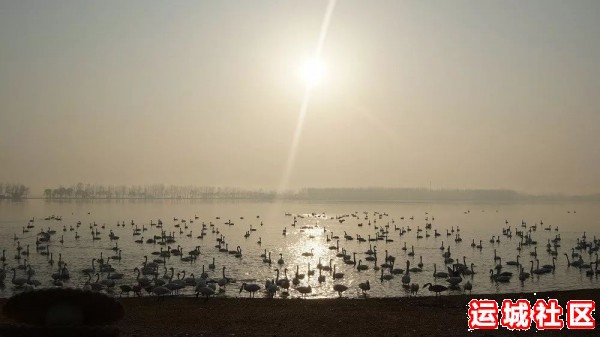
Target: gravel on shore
404 316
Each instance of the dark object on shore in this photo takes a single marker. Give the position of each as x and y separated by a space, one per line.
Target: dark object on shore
61 312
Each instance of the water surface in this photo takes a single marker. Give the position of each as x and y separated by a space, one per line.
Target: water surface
474 220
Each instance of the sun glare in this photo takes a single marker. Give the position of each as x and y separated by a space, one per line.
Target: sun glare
313 72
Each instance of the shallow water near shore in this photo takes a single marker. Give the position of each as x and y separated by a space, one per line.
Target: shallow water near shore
315 222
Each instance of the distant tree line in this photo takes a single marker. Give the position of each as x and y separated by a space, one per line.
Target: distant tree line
155 191
162 191
424 194
407 194
13 191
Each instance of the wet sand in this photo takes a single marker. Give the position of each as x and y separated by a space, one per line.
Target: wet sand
419 316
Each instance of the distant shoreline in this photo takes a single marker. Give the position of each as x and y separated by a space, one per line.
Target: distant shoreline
325 200
82 191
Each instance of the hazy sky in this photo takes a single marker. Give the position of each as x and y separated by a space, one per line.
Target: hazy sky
465 94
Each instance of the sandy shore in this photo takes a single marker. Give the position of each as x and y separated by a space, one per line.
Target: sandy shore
420 316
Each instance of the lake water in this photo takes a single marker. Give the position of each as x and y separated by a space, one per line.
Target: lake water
476 222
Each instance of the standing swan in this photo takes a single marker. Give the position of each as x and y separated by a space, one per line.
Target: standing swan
366 286
436 288
224 280
251 288
406 276
340 288
304 290
414 289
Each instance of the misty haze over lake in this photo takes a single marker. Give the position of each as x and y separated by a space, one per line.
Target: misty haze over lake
292 95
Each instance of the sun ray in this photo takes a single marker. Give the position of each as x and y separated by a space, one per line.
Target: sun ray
283 185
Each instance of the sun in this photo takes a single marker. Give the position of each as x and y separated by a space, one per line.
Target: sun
313 72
